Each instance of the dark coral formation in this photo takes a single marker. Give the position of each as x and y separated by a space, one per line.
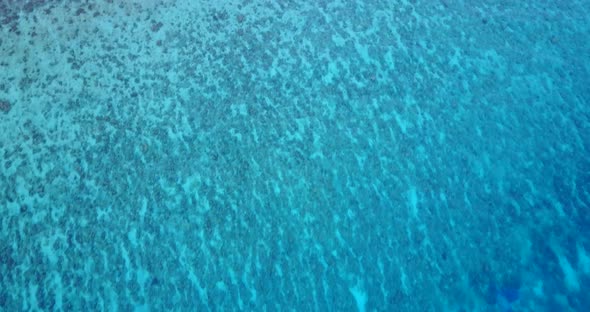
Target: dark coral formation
5 106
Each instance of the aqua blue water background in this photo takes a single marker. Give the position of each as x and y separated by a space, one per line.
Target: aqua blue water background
295 156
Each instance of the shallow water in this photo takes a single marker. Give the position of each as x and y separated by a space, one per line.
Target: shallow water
294 155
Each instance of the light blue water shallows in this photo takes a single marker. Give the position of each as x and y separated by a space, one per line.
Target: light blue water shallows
294 155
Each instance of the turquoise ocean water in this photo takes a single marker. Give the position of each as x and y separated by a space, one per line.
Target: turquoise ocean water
327 155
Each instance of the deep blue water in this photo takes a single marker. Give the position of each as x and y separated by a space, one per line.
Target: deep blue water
294 155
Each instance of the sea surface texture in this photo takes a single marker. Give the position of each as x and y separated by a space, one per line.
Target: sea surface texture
291 155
